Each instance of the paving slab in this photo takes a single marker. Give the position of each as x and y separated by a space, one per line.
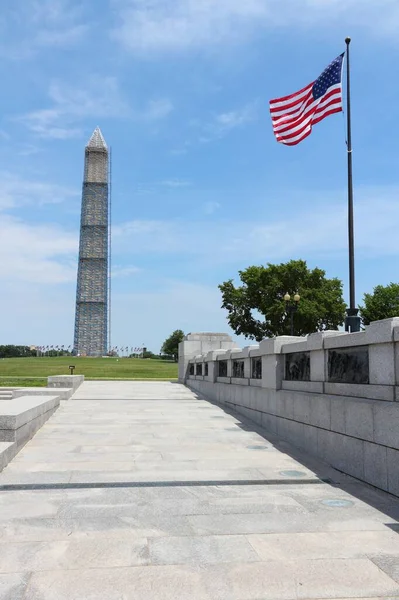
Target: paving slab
144 490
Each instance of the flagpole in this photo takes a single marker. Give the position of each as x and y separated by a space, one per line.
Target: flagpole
352 320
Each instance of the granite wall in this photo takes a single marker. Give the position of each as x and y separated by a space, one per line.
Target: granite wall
333 394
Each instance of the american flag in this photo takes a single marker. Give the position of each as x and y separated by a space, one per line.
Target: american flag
293 116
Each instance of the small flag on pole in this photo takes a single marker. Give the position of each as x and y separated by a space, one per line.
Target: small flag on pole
293 116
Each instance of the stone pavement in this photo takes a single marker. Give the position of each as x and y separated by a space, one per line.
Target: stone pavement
144 491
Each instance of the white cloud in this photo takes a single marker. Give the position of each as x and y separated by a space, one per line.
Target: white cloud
223 123
40 254
118 271
17 192
176 183
99 98
211 207
157 109
175 26
37 313
28 27
312 232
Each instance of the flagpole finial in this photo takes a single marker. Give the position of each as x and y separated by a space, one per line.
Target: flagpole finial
348 40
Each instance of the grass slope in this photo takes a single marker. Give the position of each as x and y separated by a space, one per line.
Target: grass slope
33 371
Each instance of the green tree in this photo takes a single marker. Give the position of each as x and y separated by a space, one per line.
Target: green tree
383 303
171 344
263 288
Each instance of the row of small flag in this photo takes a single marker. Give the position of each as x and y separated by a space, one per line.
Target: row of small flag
44 348
68 348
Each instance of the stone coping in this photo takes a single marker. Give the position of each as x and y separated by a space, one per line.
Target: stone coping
6 453
19 411
63 393
65 381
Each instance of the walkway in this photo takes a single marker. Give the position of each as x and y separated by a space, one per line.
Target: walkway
143 491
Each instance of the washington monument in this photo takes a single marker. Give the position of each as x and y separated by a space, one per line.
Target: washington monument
91 319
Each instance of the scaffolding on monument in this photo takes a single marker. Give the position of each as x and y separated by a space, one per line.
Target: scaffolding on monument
92 316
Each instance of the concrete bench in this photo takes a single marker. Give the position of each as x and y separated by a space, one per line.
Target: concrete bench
20 418
65 381
63 393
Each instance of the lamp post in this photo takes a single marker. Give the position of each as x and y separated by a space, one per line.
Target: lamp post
291 308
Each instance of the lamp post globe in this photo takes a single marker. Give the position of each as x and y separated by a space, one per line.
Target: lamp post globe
291 308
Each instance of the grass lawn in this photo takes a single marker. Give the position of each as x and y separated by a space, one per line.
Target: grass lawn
33 371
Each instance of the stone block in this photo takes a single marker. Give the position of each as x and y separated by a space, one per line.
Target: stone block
382 364
270 401
303 386
393 471
386 424
323 545
320 411
232 353
62 393
382 331
310 435
318 365
285 405
358 390
213 354
272 371
274 345
239 381
255 382
302 408
338 406
254 350
244 352
269 422
298 346
342 452
295 433
223 379
396 354
228 345
359 419
65 381
352 457
328 445
201 550
375 465
345 340
18 412
13 586
6 453
316 340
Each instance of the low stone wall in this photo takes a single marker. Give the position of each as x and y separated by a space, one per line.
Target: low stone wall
65 381
29 409
332 394
20 419
62 393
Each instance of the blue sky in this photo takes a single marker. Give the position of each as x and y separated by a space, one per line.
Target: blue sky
180 89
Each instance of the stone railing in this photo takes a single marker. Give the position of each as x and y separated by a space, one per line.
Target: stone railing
333 394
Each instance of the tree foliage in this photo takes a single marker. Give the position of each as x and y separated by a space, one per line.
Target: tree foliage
263 288
11 351
170 346
383 303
